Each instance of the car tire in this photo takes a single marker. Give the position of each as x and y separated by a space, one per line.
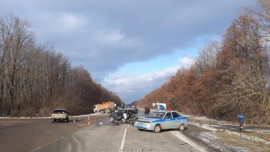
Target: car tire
157 129
182 127
67 119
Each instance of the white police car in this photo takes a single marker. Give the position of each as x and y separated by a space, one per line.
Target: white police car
161 120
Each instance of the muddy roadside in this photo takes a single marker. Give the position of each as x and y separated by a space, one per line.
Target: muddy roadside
226 136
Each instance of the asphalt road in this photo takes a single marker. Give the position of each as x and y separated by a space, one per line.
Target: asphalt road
41 135
91 138
44 136
117 138
25 135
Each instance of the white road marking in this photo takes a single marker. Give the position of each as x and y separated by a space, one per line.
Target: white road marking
188 141
123 141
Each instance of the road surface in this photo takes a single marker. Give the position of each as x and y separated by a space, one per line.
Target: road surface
24 135
117 138
41 135
44 136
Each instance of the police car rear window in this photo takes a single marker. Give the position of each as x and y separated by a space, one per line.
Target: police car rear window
175 115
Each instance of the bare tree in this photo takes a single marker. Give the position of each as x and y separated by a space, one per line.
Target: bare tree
34 79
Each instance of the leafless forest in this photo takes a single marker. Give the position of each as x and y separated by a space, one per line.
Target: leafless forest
34 79
229 76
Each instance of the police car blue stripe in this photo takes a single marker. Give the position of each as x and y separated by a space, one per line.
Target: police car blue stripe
160 120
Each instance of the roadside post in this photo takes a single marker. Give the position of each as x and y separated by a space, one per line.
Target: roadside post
88 121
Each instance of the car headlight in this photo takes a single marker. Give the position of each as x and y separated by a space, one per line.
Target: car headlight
147 125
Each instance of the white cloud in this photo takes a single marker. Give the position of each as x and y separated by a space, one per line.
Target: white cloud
108 34
105 35
131 86
71 21
186 62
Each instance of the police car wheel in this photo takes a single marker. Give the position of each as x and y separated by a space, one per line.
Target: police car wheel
157 129
182 127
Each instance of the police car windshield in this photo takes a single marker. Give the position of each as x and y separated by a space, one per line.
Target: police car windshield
157 115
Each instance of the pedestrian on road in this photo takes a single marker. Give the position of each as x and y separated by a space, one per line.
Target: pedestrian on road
146 111
240 118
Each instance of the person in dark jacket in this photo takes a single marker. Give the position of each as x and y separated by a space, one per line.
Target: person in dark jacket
146 111
136 110
240 118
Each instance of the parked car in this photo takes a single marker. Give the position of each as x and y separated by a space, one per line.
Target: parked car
162 120
60 115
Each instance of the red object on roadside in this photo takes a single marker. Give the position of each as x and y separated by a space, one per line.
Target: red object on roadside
169 108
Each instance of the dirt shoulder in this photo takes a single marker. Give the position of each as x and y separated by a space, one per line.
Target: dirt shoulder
226 136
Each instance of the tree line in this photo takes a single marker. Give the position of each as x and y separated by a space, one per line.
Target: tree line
229 75
35 79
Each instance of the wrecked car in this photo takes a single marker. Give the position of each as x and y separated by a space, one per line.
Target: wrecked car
126 115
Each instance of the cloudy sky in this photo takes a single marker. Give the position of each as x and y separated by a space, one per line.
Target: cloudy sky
131 47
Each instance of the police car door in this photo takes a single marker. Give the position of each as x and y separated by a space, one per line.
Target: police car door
176 119
168 122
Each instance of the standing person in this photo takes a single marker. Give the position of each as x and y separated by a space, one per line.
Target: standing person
147 111
240 118
136 110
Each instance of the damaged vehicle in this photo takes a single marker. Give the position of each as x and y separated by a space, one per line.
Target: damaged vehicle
162 120
126 115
